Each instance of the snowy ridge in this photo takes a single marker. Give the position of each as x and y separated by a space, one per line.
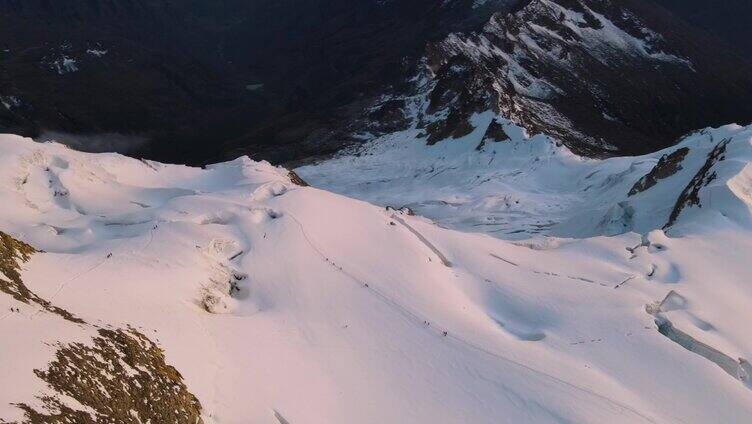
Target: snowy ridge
280 303
528 185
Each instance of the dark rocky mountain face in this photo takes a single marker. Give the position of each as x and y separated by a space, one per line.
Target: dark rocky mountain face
285 80
604 77
205 81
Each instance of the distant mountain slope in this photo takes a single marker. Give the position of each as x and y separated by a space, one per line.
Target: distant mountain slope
603 77
294 79
204 81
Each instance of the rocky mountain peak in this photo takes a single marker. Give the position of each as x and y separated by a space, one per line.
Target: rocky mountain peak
602 77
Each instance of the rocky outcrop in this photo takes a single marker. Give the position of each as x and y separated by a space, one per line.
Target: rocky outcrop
668 165
122 377
494 134
690 196
12 254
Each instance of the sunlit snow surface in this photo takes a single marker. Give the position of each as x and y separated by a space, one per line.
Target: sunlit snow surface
525 186
346 312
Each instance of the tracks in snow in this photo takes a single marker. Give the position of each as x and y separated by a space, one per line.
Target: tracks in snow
427 325
569 277
425 241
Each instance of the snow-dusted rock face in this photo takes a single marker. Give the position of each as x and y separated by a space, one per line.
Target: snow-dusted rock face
604 77
294 80
231 294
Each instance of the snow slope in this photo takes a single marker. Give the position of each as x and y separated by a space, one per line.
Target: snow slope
286 304
528 185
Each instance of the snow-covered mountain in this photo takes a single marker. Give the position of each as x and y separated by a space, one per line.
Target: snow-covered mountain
133 291
501 181
500 211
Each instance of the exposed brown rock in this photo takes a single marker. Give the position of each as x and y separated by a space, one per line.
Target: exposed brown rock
667 166
295 179
12 254
494 134
123 378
